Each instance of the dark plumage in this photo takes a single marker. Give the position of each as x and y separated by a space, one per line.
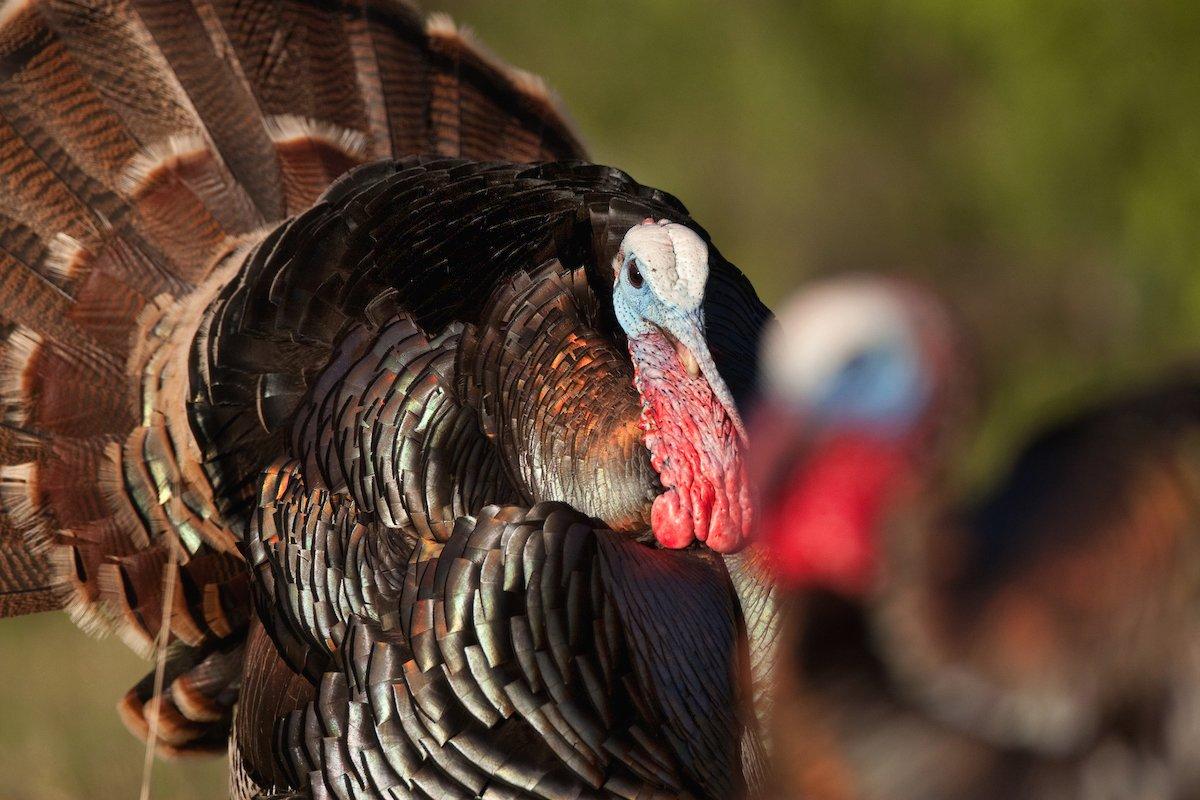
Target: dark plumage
294 321
532 655
510 390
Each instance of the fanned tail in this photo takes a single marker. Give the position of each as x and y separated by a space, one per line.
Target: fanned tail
146 147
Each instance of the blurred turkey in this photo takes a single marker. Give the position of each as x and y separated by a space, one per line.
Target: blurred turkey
428 459
1038 642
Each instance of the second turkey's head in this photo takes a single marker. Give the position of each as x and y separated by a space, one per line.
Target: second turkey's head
860 380
690 423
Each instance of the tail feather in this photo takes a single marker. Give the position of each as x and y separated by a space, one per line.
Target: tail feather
40 306
68 386
62 93
121 67
388 44
297 59
162 183
479 105
313 154
146 146
195 709
227 112
27 580
108 309
27 577
20 243
29 593
35 195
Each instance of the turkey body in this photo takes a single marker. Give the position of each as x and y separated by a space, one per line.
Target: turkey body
1038 642
1068 598
296 331
506 389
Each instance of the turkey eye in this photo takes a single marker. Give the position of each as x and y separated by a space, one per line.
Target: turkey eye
635 275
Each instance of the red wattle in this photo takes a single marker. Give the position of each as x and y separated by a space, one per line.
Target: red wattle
696 450
672 524
823 529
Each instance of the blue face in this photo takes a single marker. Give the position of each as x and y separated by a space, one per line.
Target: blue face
882 387
633 299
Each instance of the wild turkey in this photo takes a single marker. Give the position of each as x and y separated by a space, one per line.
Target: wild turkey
1040 642
388 425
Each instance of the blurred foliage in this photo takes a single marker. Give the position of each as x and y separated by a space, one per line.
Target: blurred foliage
1037 163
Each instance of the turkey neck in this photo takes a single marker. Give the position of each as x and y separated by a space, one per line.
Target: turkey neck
758 597
695 447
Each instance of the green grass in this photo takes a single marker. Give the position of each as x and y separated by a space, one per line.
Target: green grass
60 736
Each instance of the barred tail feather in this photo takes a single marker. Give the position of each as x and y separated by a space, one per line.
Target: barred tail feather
146 148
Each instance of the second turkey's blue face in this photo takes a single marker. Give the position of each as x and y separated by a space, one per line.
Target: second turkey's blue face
882 387
848 358
849 383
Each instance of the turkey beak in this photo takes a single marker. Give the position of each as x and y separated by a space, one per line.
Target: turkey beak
687 335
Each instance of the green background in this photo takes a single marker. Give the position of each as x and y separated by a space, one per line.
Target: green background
1038 163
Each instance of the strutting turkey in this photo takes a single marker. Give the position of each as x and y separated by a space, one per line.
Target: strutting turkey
1039 642
294 331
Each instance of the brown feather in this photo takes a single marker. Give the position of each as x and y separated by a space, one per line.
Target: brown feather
312 155
228 114
270 691
146 146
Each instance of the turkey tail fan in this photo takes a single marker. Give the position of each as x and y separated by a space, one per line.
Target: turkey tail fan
146 148
27 582
195 707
